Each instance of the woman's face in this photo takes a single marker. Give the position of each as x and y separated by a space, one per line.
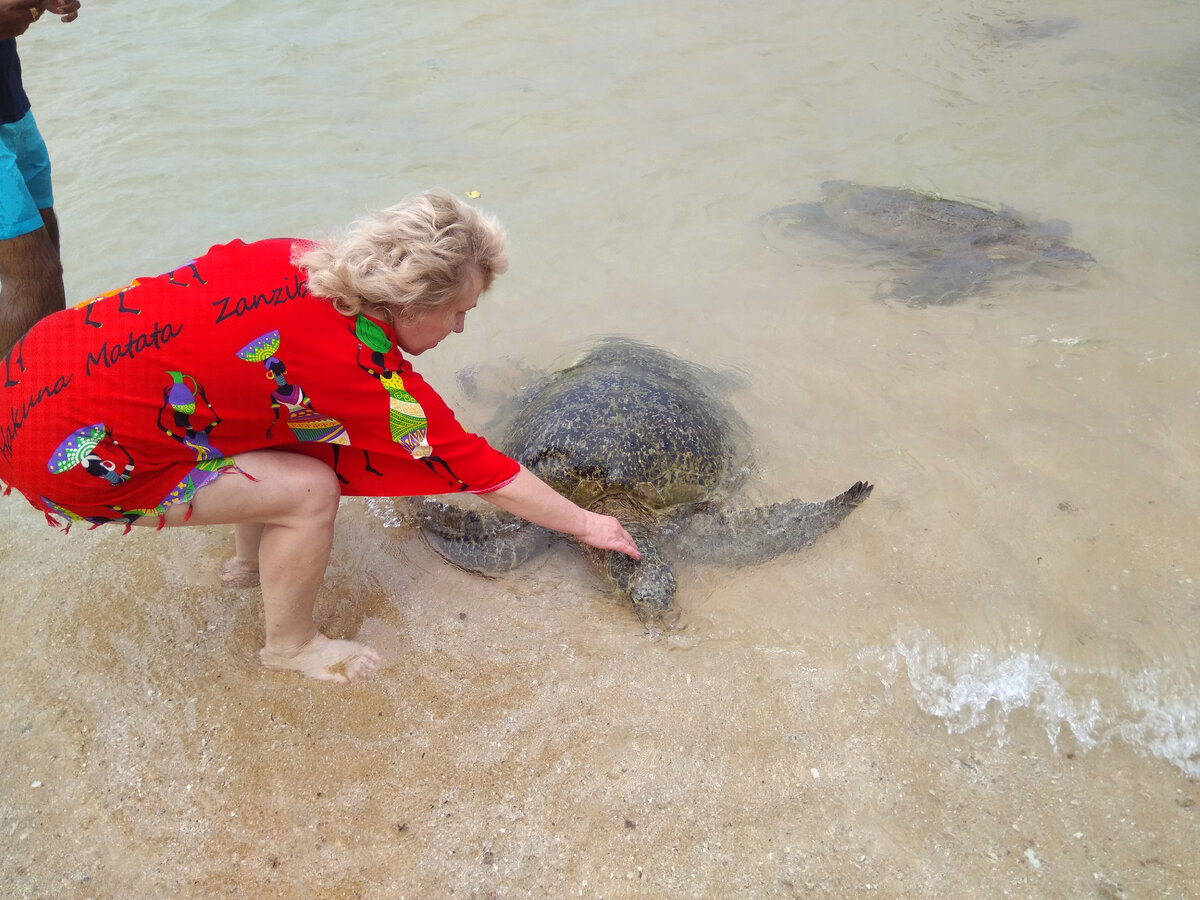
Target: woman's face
415 336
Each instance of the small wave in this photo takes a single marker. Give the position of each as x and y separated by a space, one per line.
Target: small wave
1157 712
385 509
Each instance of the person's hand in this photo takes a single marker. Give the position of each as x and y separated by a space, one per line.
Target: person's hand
16 16
68 10
606 533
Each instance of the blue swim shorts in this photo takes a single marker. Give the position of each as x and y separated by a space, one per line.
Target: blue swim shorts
24 177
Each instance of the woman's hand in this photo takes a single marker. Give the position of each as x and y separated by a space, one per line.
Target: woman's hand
606 533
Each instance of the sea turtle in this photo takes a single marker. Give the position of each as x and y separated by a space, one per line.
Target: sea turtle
953 248
635 432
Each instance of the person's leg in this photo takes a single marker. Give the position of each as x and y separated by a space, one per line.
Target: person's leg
31 284
287 506
50 223
241 570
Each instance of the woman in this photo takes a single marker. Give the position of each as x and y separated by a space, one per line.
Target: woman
254 386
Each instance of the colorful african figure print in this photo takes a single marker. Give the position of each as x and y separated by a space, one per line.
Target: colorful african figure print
92 449
406 418
305 422
181 399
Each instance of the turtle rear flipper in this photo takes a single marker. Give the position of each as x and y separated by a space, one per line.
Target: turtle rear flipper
479 542
755 535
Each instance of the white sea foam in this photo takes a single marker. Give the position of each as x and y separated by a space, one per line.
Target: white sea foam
1164 718
1157 712
385 509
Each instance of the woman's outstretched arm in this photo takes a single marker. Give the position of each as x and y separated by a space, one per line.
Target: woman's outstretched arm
531 498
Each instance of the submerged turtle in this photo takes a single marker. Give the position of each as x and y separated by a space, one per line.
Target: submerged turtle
634 432
954 248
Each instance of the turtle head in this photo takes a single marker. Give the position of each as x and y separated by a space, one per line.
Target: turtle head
649 582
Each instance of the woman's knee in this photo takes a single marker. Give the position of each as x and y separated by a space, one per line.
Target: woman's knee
267 487
316 488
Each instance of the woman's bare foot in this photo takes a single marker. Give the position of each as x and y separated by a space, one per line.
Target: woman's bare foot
325 659
239 573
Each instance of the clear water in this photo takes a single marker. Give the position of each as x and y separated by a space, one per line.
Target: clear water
986 682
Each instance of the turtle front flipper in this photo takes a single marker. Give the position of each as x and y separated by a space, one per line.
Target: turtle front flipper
479 542
754 535
649 582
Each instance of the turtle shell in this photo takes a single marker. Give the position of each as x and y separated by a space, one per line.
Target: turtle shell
628 422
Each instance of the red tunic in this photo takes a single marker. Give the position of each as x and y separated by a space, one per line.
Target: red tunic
137 398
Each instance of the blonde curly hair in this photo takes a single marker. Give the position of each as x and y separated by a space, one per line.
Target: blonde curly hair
411 258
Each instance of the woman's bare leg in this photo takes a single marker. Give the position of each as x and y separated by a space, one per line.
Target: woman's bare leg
241 570
288 505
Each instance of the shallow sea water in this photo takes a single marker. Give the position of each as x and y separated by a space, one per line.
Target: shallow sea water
984 683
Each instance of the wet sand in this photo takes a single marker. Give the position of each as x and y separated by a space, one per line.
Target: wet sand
522 740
